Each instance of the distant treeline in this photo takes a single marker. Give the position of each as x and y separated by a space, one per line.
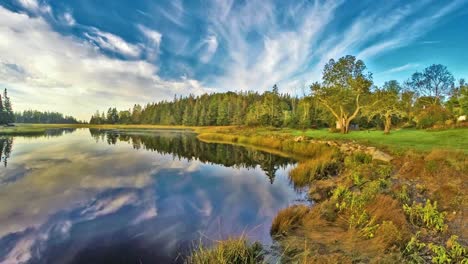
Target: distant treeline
38 117
249 108
346 98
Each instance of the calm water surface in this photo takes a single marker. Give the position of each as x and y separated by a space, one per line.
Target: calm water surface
92 196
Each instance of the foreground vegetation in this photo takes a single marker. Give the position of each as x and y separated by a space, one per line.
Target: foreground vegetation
408 211
230 251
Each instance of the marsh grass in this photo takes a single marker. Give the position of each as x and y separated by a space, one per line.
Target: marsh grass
308 171
288 219
230 251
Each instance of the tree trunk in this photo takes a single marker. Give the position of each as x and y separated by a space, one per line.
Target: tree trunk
348 121
387 124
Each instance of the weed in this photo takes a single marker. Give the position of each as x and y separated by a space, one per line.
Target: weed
403 195
414 249
427 215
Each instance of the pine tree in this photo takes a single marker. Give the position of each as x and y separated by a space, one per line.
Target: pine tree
8 109
2 114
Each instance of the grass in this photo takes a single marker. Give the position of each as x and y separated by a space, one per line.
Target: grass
403 139
288 219
230 251
321 167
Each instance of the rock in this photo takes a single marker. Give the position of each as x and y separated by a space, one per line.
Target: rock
299 139
379 155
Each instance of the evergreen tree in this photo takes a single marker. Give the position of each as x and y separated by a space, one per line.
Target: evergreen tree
7 113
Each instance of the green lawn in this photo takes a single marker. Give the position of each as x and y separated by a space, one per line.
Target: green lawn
454 139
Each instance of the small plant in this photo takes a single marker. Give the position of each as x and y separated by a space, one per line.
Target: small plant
362 158
427 215
384 171
440 254
414 250
403 195
357 178
458 253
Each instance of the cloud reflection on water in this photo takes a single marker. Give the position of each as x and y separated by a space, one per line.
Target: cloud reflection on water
82 200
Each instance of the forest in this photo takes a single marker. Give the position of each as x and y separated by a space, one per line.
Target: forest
38 117
346 98
8 117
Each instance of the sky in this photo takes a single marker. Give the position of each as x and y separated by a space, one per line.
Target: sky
79 56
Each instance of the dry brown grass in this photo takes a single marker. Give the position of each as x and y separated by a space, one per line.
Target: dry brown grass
314 169
288 219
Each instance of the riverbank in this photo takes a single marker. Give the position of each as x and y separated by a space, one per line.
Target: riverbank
410 208
397 141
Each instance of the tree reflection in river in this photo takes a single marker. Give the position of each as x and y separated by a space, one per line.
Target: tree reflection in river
6 145
186 145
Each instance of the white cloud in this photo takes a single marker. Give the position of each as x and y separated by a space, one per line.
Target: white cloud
211 45
35 6
70 75
29 4
113 43
68 18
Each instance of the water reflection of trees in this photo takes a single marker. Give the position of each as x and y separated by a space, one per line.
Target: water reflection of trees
186 145
6 145
57 132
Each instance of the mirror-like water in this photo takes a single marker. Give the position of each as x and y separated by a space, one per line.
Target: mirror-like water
92 196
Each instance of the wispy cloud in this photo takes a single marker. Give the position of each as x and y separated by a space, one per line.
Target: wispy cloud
210 45
154 41
409 66
113 43
292 57
427 42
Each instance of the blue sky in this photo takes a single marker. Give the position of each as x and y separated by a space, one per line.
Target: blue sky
77 56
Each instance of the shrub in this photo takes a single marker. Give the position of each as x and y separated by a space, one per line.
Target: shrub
231 251
428 117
